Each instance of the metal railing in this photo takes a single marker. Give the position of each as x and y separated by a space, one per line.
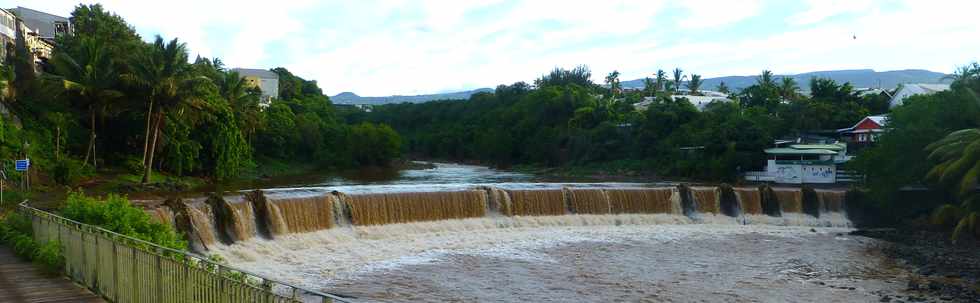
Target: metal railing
125 269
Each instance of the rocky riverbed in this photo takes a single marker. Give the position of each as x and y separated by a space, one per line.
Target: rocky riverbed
939 268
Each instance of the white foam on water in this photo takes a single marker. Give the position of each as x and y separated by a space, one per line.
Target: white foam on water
317 259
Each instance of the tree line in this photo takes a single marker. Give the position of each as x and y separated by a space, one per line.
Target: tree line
107 98
565 119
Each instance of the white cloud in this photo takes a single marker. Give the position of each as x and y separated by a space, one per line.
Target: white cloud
819 10
715 13
378 47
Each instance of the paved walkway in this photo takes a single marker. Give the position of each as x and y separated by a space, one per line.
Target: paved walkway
22 281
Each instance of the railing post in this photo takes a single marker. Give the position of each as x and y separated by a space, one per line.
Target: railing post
115 272
159 276
97 279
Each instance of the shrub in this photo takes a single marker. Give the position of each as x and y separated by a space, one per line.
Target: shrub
116 214
68 171
24 246
50 257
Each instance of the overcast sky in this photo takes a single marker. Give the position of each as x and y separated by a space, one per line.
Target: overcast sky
412 47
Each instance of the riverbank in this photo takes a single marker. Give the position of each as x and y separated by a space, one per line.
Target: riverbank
941 269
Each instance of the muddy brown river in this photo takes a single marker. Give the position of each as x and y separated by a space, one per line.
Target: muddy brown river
643 259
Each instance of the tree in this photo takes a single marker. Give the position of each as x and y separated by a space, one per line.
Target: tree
788 88
661 80
92 77
580 75
695 84
244 101
957 167
765 79
723 88
678 78
649 87
166 77
612 80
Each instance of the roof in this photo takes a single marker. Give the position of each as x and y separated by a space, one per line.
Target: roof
701 101
794 151
832 147
881 120
254 72
40 21
912 89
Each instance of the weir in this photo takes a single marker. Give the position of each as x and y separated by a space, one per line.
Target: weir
707 199
749 200
790 200
644 200
225 220
537 202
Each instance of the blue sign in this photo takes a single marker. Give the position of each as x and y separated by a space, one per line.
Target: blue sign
22 165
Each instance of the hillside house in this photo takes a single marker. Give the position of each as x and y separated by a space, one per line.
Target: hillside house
912 89
865 132
266 80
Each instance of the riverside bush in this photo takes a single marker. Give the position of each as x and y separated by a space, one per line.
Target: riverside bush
115 213
50 257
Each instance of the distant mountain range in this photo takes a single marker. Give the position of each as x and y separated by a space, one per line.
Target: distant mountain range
859 78
352 98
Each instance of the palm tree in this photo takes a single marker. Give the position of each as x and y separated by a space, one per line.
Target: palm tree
958 167
695 84
649 87
90 75
613 81
661 80
243 99
723 88
788 88
678 78
170 84
766 79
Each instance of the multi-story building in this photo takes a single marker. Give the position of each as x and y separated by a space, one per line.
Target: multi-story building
8 32
266 80
46 26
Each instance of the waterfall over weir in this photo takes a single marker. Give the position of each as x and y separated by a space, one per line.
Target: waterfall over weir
230 219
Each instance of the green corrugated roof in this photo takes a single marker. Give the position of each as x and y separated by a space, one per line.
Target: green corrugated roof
794 151
834 147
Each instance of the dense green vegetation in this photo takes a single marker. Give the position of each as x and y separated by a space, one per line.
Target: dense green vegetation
565 120
110 102
116 214
16 233
933 141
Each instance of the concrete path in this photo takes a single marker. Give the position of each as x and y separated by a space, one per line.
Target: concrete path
24 282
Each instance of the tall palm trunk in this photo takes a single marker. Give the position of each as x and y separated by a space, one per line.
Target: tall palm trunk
148 167
146 138
91 140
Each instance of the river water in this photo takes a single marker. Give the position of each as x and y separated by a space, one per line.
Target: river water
584 258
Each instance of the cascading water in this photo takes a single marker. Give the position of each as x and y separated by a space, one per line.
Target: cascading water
790 199
588 201
749 200
388 208
281 213
831 201
708 199
537 202
162 214
644 201
242 217
300 214
202 224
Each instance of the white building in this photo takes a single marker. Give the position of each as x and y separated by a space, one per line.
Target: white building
802 164
266 80
912 89
699 101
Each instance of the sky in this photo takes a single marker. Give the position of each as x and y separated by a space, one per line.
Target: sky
378 48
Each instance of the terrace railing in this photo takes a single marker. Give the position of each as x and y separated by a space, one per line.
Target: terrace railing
125 269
